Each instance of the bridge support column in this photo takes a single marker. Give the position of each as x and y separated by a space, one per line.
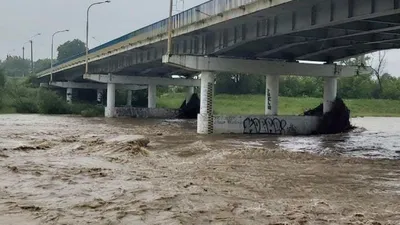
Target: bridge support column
99 96
152 95
69 95
110 109
330 93
129 98
205 121
271 95
189 93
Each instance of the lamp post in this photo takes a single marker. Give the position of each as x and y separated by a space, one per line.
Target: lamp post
87 33
52 51
171 4
31 41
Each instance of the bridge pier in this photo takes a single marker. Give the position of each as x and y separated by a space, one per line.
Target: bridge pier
271 95
99 96
129 98
110 109
69 95
189 93
330 93
205 122
152 96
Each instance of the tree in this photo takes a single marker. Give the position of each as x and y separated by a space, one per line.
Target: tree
15 66
70 48
2 79
42 64
378 64
2 83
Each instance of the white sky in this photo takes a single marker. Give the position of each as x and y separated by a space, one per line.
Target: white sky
21 19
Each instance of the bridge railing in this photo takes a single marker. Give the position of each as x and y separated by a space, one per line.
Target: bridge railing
192 15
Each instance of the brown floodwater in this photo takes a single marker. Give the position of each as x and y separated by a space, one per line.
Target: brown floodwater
73 170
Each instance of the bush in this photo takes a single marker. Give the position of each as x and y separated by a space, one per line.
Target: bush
86 110
49 102
25 105
2 83
93 112
22 99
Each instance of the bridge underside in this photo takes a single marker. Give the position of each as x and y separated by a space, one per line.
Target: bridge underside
313 30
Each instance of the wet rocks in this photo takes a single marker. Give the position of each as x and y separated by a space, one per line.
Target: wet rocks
190 109
333 122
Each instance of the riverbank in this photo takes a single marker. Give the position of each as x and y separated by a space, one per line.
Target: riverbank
254 105
73 170
251 105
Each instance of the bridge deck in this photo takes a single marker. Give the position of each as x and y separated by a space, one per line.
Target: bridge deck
320 30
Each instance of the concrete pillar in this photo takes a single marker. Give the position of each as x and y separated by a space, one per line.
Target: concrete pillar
110 109
69 95
205 120
129 98
330 93
99 96
189 93
152 96
271 95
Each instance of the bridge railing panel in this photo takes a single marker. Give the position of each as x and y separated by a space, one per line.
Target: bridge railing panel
195 14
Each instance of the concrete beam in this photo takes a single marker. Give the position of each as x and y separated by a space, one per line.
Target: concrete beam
76 85
123 79
262 67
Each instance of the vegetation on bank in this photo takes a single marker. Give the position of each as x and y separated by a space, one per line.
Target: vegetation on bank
21 96
254 104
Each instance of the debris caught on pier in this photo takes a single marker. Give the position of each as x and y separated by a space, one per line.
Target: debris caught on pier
333 122
191 109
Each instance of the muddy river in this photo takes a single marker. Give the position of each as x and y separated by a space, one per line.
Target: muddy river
73 170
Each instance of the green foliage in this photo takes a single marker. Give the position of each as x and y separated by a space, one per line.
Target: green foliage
86 110
22 98
2 78
2 83
93 112
70 48
15 66
239 84
49 102
42 64
255 105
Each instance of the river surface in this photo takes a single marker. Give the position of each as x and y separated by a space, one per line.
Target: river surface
73 170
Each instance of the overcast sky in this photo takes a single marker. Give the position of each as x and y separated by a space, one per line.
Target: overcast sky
21 19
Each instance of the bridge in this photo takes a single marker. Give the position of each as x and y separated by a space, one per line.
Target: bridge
269 37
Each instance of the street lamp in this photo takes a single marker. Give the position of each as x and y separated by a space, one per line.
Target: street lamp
171 4
87 33
31 41
23 50
52 51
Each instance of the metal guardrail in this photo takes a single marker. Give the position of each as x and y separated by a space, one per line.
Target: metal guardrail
193 15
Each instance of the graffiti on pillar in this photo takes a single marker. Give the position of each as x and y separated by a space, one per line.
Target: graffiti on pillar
269 99
267 126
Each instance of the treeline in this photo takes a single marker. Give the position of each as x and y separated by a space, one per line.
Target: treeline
355 87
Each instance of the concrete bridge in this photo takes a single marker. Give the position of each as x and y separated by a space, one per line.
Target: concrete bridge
269 37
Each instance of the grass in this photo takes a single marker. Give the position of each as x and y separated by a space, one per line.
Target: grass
254 105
